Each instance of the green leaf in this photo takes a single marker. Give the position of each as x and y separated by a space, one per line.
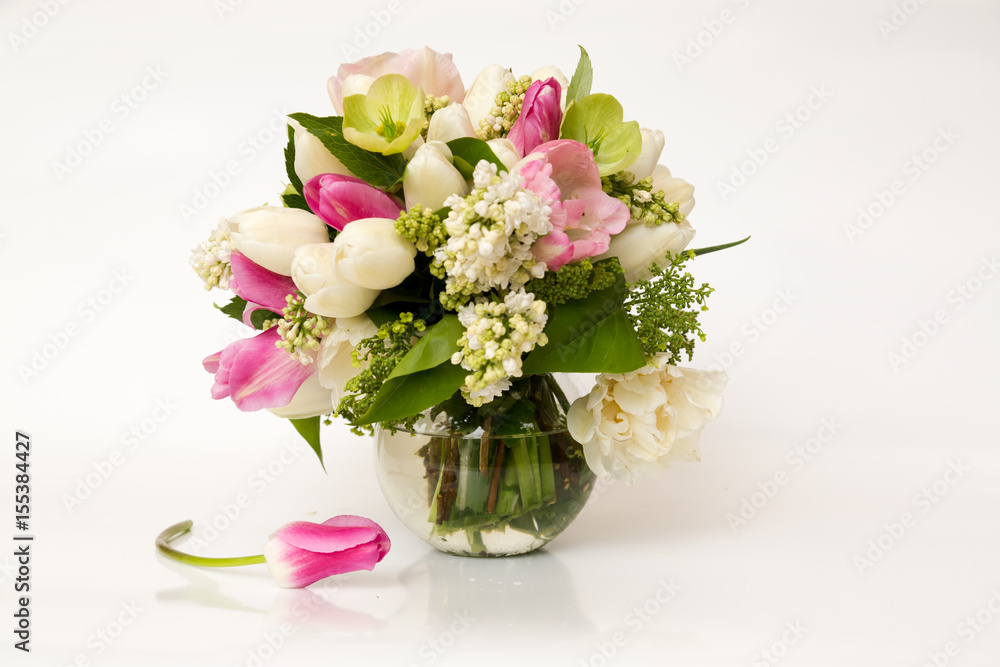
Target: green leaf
257 317
308 428
295 201
234 308
435 347
380 316
293 178
610 346
423 378
716 248
583 77
407 395
591 335
597 120
468 151
381 171
388 296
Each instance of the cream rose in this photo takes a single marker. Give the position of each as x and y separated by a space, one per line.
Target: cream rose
644 420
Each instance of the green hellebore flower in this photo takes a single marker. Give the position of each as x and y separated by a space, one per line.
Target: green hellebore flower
388 118
596 120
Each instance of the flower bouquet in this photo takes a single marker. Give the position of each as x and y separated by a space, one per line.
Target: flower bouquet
439 255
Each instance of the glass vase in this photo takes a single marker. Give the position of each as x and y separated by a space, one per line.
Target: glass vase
501 480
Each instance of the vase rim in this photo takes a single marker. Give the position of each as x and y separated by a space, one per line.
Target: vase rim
477 434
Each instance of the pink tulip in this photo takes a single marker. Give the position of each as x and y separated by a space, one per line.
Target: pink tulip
256 374
427 69
339 200
583 216
259 287
301 552
541 115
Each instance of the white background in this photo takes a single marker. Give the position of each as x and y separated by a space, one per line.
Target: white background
800 558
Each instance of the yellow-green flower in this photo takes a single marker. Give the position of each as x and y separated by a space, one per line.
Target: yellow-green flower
597 120
388 118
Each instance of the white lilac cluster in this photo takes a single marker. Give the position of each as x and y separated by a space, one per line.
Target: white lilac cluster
496 335
210 259
491 232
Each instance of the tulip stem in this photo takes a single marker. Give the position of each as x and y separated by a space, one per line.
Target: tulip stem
184 527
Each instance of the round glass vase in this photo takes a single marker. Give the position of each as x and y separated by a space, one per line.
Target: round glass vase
499 481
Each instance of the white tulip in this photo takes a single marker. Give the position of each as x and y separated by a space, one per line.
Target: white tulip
312 158
430 177
505 151
644 420
269 235
411 150
652 147
451 122
370 253
480 98
676 190
334 361
327 293
639 246
310 400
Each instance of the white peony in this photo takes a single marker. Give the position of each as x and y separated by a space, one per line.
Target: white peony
644 420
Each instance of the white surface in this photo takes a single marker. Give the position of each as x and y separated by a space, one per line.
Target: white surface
825 357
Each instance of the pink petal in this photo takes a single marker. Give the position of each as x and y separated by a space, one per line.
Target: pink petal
256 284
324 539
339 199
263 375
211 362
434 72
250 309
540 117
292 567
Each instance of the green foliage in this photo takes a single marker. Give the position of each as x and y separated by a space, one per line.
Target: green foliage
382 352
575 281
293 178
598 121
423 377
664 309
468 151
588 335
234 308
382 171
583 77
716 248
643 204
308 428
